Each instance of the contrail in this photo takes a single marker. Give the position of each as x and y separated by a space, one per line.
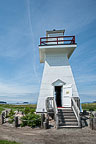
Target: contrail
32 34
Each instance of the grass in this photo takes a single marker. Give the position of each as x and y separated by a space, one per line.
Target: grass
89 106
1 109
16 107
8 142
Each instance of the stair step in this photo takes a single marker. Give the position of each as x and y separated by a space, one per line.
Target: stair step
66 114
69 117
68 120
65 110
68 124
69 127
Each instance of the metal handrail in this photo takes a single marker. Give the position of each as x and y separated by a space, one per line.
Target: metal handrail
57 40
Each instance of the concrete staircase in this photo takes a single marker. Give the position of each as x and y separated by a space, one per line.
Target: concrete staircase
67 118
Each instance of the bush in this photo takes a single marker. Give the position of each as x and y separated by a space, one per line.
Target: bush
28 110
91 109
31 119
11 119
11 116
1 109
11 113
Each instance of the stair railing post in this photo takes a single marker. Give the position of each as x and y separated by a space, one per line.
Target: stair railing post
57 121
42 119
79 121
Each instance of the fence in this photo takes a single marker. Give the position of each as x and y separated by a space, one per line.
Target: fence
57 40
44 120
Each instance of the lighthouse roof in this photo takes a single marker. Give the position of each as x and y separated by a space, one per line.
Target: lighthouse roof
55 32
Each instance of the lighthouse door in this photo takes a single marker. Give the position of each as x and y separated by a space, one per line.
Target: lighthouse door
58 95
66 97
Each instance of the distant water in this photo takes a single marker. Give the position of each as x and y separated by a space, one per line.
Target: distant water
19 103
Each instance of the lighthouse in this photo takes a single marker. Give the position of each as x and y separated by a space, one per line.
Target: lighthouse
58 82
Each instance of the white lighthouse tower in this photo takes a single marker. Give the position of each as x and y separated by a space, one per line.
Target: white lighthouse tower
57 81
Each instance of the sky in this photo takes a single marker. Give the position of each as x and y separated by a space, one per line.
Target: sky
22 23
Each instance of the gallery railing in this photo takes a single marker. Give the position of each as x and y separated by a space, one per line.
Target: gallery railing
57 40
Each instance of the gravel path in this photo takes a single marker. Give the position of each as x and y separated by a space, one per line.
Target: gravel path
28 135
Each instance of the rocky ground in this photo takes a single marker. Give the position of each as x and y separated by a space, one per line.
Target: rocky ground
28 135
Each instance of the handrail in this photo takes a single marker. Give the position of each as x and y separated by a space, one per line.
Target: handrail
76 110
52 107
57 40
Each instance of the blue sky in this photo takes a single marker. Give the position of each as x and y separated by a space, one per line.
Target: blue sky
22 23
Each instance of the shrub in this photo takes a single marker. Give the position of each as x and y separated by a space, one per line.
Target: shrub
1 109
11 119
11 116
31 119
91 116
11 113
91 109
28 110
32 111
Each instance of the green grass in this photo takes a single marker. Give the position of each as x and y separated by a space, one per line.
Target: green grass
1 109
16 107
89 106
8 142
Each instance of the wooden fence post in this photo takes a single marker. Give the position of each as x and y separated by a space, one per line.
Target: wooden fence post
91 123
94 123
3 117
16 122
47 122
6 113
42 119
80 122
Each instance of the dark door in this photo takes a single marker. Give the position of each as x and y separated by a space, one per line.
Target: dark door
58 96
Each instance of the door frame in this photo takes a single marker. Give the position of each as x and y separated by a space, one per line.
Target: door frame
58 83
61 91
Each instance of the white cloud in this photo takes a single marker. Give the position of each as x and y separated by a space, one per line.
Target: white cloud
18 97
16 88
